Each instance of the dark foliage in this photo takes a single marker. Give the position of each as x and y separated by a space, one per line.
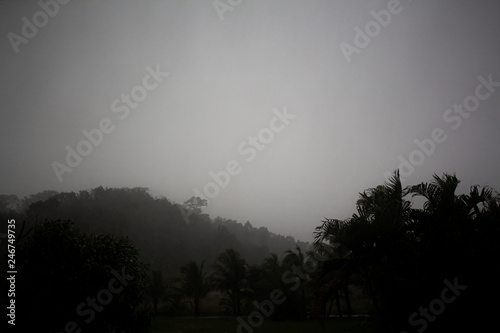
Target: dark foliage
155 225
60 269
403 255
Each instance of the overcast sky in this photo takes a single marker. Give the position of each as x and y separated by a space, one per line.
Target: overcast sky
307 103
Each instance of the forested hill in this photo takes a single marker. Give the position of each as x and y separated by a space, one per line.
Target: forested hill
168 234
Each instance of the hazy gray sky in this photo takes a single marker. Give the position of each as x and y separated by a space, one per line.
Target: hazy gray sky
359 88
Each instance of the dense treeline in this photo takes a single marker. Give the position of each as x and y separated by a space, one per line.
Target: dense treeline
411 268
69 281
427 268
156 226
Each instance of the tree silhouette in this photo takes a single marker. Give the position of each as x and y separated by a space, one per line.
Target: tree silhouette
295 262
230 277
334 273
194 284
157 289
195 204
63 268
372 244
402 254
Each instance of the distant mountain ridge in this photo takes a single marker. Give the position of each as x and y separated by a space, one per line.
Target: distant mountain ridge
155 225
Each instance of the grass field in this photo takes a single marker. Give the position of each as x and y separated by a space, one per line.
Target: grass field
230 325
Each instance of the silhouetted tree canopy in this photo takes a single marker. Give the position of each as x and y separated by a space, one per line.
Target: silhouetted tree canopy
155 225
390 254
401 255
60 268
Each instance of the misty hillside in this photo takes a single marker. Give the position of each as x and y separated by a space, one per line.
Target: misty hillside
383 262
168 234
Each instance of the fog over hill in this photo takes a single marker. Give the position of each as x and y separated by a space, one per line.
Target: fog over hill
168 234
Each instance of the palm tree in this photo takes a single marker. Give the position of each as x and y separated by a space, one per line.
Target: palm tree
371 244
332 278
194 284
263 279
295 261
385 205
446 222
439 194
478 197
157 289
402 253
271 263
230 277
